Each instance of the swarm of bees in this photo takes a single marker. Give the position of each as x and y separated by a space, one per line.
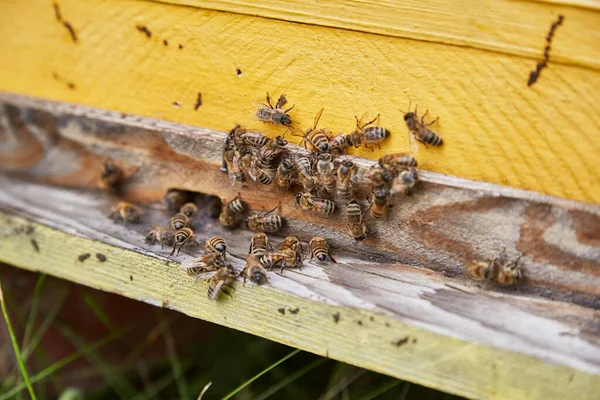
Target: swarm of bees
500 270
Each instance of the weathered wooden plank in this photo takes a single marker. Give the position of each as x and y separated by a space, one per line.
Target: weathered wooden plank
496 128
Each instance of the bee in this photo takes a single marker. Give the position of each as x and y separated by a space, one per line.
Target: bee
292 249
344 182
259 244
507 273
205 263
215 245
316 204
161 234
380 177
406 181
254 270
275 115
338 145
228 144
124 211
319 249
250 138
380 201
418 130
174 199
480 270
220 281
373 135
285 173
273 148
304 169
179 221
231 158
189 210
397 162
272 259
263 222
260 174
324 172
231 211
355 220
110 176
317 139
182 237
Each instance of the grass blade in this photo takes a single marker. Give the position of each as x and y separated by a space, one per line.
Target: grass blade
343 383
175 363
381 390
34 310
98 311
15 344
298 374
405 389
255 377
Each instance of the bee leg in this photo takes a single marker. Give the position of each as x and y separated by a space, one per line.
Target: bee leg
269 101
370 122
332 259
173 251
367 147
289 109
433 122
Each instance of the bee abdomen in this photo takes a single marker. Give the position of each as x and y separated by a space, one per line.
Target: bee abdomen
235 207
328 207
179 221
432 138
376 133
273 223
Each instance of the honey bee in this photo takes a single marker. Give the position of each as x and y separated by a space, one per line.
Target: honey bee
317 139
324 172
285 173
397 162
418 130
406 181
373 135
380 201
355 220
507 273
231 158
272 259
182 237
110 176
175 199
292 249
259 244
215 245
231 211
254 270
179 221
264 222
275 115
220 281
161 234
380 177
319 249
304 169
205 263
480 270
273 148
344 180
249 138
338 145
189 210
261 174
125 212
316 204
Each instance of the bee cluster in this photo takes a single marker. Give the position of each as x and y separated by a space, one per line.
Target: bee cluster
500 270
328 180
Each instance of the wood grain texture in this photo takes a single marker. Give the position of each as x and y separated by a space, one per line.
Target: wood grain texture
495 128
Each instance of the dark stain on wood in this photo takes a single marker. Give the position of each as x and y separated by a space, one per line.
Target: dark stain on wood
535 74
131 278
66 24
359 322
59 78
101 257
401 342
198 101
336 317
83 257
35 245
281 311
144 30
238 72
180 46
294 311
165 42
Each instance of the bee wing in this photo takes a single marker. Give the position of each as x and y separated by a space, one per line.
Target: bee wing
318 117
361 176
414 146
193 263
213 292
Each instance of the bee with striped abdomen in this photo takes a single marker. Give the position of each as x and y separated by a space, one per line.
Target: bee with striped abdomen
397 162
480 270
254 270
260 172
507 272
189 210
318 205
182 237
304 168
380 177
220 281
371 136
259 244
355 221
235 172
125 212
338 145
275 115
285 173
380 202
418 130
344 180
325 175
292 249
317 139
265 221
215 245
202 264
405 181
273 148
160 234
179 221
320 250
231 211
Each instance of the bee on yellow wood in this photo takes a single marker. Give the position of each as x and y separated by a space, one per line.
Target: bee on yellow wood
254 270
338 145
215 245
507 272
189 210
110 176
182 237
369 137
344 180
231 211
175 199
205 263
405 181
125 212
305 173
397 162
325 175
480 270
380 202
160 234
292 249
179 221
275 115
315 204
221 281
285 173
355 221
259 244
317 139
418 130
320 250
235 172
265 221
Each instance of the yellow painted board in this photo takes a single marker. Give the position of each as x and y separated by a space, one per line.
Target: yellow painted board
496 129
428 358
